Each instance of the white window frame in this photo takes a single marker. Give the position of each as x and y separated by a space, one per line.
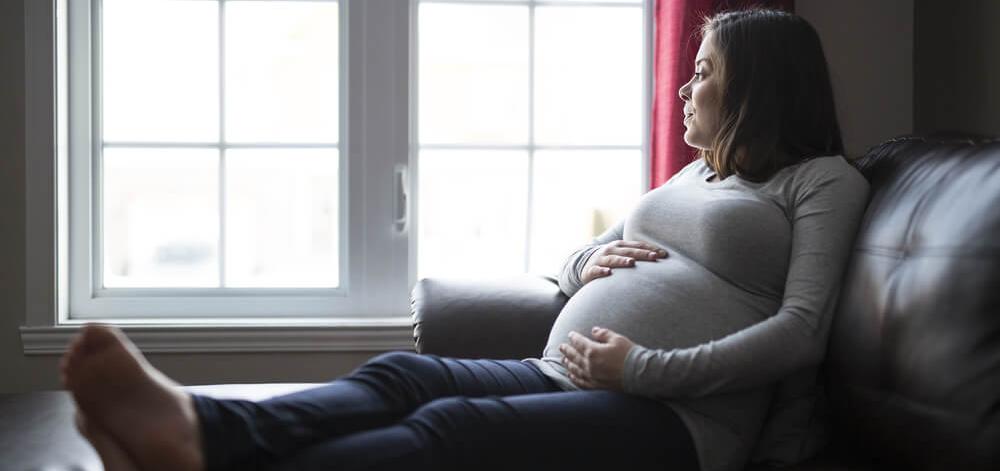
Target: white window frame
381 232
88 300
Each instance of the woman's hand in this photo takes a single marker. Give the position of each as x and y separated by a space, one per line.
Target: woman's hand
618 254
598 363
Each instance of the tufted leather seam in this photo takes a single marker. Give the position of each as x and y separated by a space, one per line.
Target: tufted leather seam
891 290
919 211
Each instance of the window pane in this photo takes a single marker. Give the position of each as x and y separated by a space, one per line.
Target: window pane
473 211
577 195
161 218
588 74
160 71
282 218
473 74
281 71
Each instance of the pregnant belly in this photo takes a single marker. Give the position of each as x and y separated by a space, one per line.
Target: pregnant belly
670 303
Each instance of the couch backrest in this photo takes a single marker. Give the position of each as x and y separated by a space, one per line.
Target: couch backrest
914 355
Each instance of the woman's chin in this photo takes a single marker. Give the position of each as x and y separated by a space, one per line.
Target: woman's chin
693 141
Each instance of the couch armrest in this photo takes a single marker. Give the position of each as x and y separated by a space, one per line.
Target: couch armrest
502 319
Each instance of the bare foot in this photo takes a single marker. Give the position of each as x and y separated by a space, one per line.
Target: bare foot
112 455
145 413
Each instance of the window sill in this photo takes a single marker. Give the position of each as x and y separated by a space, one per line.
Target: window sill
277 335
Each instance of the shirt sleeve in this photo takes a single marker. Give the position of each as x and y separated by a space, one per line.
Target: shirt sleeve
569 277
826 210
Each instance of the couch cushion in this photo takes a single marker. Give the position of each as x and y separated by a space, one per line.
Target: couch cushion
37 432
915 346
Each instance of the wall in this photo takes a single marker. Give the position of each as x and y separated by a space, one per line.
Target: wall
957 81
13 368
869 47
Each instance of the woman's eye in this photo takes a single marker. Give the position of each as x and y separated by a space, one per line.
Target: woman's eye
698 75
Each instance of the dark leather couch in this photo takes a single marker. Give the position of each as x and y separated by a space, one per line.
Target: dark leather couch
913 366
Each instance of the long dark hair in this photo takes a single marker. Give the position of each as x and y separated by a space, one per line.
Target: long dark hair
777 101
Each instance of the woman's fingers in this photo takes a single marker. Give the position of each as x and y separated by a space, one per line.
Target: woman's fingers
639 253
618 254
583 383
574 368
572 355
593 272
581 344
638 244
577 356
615 261
575 365
574 361
620 257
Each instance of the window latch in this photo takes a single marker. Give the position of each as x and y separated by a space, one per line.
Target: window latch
401 186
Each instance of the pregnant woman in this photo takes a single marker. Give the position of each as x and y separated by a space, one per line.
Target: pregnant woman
715 291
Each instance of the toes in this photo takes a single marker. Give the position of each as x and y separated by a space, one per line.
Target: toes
95 337
90 340
67 370
72 352
70 361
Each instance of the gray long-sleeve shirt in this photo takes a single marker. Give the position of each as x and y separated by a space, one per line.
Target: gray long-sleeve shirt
742 302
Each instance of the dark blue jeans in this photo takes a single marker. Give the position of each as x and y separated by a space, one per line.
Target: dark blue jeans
401 410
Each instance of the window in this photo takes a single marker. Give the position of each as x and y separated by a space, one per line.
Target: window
218 148
531 130
234 160
206 159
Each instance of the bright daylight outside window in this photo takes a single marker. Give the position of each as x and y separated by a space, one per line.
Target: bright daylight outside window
530 130
218 145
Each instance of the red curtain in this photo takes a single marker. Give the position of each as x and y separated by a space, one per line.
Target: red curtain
675 47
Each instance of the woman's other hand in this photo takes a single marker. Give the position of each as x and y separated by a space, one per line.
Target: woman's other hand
598 363
618 254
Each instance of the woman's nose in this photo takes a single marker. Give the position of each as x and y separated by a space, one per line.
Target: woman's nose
685 91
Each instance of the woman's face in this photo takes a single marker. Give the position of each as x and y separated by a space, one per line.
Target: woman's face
702 97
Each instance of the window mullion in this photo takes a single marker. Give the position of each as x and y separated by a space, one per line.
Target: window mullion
531 136
96 144
222 144
381 93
